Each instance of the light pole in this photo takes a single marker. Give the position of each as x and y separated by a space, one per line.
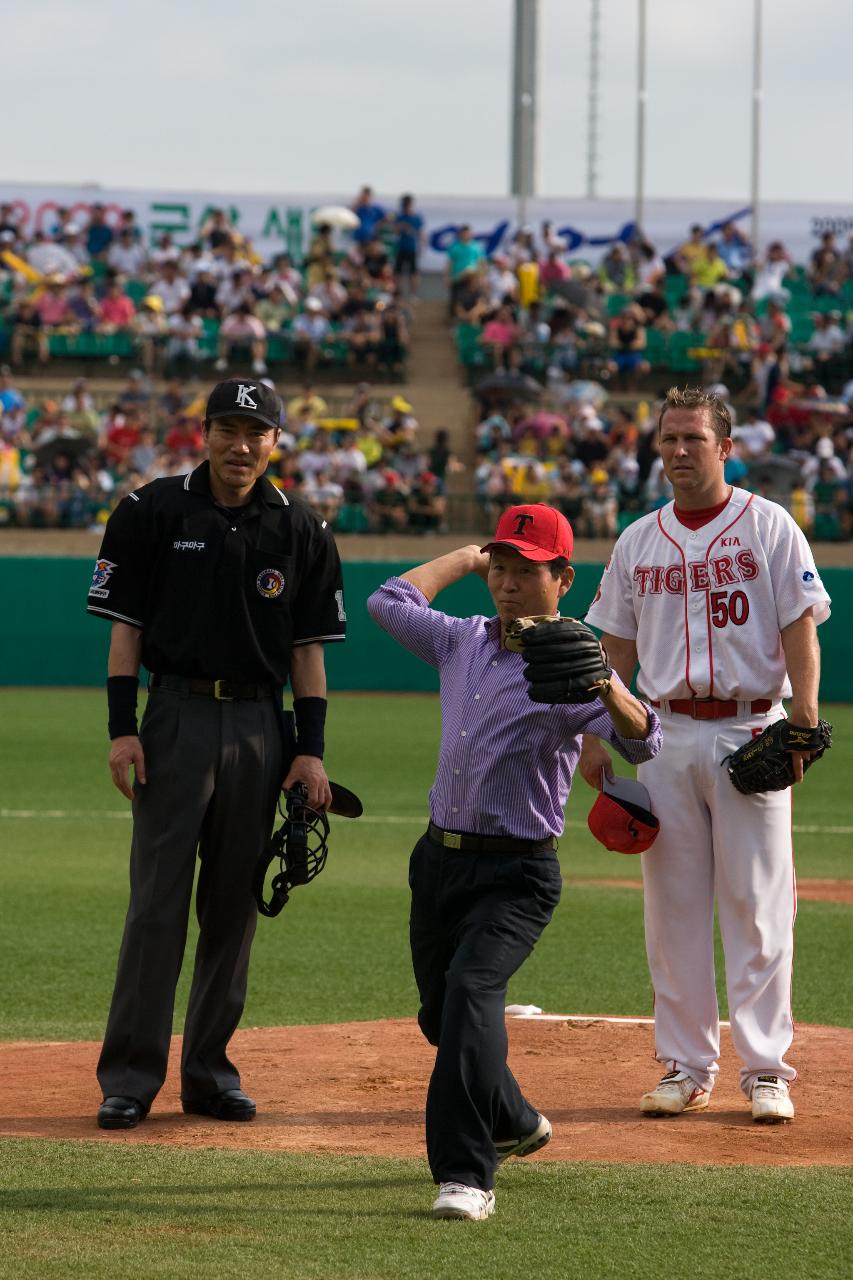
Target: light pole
639 187
755 193
524 106
592 107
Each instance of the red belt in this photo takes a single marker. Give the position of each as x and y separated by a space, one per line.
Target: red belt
713 708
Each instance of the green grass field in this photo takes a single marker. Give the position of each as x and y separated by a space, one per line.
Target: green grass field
339 952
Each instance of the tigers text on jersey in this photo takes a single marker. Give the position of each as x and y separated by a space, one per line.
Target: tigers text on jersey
219 593
706 606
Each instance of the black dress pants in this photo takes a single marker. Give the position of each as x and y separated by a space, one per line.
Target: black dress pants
474 920
214 772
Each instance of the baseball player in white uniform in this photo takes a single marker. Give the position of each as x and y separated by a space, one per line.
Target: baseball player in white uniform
717 596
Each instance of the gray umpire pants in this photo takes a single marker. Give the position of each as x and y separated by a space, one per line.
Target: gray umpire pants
214 771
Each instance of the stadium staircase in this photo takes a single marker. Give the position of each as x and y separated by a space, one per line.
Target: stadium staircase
434 385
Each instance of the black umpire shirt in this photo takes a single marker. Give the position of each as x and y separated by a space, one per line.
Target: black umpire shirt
219 593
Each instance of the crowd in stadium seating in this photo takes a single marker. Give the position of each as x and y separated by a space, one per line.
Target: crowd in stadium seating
97 289
771 335
361 463
595 338
710 309
599 462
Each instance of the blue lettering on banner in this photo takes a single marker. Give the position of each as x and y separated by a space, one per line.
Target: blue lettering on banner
443 237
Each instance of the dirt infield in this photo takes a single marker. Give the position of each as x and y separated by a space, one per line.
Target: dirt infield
359 1087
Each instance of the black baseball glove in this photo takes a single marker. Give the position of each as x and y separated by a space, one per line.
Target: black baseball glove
766 763
565 661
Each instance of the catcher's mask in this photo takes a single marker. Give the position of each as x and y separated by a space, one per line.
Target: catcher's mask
300 844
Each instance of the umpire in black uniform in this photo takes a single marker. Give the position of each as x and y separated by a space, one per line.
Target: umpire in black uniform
224 588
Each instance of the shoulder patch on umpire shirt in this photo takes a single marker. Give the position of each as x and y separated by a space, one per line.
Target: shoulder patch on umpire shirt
100 578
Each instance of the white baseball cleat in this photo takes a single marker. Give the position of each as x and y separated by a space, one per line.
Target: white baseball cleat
534 1141
771 1102
455 1200
675 1092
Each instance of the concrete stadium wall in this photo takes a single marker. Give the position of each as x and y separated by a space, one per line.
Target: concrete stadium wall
47 638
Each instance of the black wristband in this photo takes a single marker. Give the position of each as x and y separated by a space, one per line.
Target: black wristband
121 704
310 717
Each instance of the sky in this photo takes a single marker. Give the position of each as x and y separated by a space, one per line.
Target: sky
326 95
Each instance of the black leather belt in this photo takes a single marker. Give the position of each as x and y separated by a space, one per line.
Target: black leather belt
488 844
222 690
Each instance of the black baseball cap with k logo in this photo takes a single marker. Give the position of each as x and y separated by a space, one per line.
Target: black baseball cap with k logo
244 397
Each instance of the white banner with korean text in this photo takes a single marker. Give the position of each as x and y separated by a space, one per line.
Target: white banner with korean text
282 221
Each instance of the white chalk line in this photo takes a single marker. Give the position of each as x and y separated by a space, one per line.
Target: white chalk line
578 1017
400 820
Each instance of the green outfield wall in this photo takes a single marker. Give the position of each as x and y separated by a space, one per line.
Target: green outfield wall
47 638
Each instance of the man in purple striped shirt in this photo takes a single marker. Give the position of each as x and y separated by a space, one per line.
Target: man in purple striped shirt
485 878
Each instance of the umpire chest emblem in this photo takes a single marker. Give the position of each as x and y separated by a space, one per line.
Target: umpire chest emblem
270 583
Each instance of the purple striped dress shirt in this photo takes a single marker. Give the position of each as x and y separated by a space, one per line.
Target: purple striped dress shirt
505 763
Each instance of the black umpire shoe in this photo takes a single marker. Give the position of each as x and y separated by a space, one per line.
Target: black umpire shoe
121 1113
230 1104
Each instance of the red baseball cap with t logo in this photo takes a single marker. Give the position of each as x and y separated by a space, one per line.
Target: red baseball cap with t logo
621 817
535 531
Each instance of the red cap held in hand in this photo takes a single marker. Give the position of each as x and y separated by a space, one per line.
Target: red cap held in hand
621 818
535 531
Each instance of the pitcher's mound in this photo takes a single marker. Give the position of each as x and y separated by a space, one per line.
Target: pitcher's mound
359 1088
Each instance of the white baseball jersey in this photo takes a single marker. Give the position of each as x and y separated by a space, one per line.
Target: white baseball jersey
706 606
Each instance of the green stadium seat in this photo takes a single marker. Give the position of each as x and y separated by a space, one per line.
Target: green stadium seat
625 518
91 346
279 348
657 345
352 518
335 347
802 328
674 288
680 345
825 302
136 290
617 302
471 354
208 342
826 527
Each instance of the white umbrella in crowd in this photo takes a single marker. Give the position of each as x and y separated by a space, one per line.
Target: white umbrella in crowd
335 215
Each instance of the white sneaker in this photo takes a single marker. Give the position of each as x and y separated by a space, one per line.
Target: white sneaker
674 1093
221 365
455 1200
525 1146
258 366
771 1103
